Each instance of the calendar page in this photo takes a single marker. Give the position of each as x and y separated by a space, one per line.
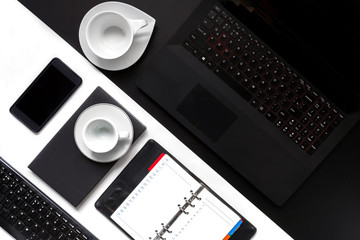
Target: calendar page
160 198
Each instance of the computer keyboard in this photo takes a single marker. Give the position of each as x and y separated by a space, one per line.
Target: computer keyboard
263 79
27 213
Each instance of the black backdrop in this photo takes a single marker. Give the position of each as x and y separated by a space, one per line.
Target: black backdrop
327 205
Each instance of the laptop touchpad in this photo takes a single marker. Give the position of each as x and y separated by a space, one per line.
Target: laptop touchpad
206 113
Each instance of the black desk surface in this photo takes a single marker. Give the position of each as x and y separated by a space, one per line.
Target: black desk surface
327 206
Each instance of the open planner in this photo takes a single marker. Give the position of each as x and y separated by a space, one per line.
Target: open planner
169 202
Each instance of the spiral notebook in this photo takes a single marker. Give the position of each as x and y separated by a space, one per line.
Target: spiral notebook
169 202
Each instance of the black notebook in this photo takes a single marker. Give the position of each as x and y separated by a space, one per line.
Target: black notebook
61 164
156 197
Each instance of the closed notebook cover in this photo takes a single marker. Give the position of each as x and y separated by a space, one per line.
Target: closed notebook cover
61 164
135 172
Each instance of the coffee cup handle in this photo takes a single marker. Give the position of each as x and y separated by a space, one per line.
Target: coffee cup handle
124 134
137 24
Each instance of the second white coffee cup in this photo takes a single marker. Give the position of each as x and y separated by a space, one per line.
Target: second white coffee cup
109 34
100 135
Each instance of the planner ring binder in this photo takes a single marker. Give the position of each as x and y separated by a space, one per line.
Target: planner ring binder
136 202
188 202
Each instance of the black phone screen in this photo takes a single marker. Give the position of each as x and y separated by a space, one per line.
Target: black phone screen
45 95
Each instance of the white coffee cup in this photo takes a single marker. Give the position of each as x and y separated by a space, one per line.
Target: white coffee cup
100 135
109 34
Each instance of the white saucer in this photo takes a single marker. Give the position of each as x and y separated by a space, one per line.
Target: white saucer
141 39
122 122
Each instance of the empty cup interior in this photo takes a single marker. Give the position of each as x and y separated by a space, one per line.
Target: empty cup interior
109 35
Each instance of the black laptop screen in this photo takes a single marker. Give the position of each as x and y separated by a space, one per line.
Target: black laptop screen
330 28
320 38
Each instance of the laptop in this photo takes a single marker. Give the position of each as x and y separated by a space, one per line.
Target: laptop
269 85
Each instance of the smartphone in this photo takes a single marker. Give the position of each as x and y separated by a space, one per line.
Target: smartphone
45 95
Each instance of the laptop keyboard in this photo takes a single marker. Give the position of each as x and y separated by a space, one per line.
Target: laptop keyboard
259 76
27 213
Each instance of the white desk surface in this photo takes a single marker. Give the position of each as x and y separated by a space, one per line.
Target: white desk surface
26 46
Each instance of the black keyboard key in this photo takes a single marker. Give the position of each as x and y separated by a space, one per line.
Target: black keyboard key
311 149
71 233
199 41
21 215
303 107
4 189
275 108
219 20
309 99
207 23
262 109
268 101
187 44
209 51
210 64
295 112
231 70
311 125
26 231
268 76
212 14
270 116
212 40
304 145
310 113
291 135
231 44
4 213
19 226
311 138
224 63
317 118
317 131
292 84
291 122
219 46
226 53
285 129
304 133
279 123
283 115
289 95
43 234
298 140
6 179
203 32
217 57
55 232
29 222
12 219
278 97
234 59
253 88
282 88
223 37
263 84
270 91
255 103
